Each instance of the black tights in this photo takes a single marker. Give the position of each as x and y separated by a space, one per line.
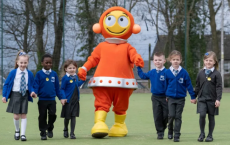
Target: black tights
73 123
211 119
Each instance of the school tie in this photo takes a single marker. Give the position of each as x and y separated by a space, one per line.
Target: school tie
73 77
175 72
23 84
207 72
48 72
158 71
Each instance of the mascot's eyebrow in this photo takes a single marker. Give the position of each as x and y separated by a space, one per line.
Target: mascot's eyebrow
107 14
126 14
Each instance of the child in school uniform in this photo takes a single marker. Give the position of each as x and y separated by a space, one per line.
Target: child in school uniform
46 86
17 88
158 88
178 82
209 92
70 91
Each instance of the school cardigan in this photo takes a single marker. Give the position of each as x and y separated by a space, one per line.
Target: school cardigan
177 86
214 82
68 85
7 88
47 86
158 83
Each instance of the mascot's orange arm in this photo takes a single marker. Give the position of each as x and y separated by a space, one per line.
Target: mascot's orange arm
132 53
93 59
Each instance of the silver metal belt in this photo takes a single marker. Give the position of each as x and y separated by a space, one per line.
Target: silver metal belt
112 82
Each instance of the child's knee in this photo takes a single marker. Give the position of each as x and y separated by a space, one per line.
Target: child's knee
202 115
16 116
23 116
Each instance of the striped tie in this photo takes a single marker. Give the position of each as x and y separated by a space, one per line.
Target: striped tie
207 72
73 77
175 72
23 84
48 72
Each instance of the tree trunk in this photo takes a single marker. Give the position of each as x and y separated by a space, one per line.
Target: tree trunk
215 46
58 37
91 35
39 20
25 43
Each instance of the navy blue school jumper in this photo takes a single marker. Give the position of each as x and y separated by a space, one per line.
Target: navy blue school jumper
176 92
70 91
208 89
18 104
159 103
46 86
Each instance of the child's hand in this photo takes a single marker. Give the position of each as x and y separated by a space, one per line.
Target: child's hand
166 99
193 101
217 103
4 99
63 101
33 95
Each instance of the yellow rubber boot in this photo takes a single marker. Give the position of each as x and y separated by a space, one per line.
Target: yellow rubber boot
119 129
100 129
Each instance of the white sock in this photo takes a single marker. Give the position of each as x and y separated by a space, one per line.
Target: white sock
16 124
23 126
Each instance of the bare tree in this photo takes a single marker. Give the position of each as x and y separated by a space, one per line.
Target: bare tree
212 15
58 28
39 19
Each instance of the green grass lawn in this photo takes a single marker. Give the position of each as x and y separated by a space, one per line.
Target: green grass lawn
139 122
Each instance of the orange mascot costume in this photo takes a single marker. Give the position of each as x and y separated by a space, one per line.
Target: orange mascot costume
113 81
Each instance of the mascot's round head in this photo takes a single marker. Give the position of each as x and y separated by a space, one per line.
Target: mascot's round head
116 22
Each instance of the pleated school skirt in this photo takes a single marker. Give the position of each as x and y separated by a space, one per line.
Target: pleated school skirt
18 104
70 110
208 107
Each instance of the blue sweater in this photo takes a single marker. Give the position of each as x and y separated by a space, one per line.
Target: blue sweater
177 86
68 86
47 86
158 83
7 88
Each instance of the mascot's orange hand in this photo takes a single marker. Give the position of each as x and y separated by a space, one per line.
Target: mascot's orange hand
139 61
82 74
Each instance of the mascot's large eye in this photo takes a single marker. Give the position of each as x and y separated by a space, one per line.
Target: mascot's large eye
123 21
110 20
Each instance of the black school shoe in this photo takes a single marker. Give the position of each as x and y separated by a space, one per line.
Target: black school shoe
209 139
160 136
43 135
17 137
65 134
176 139
170 136
201 138
23 138
50 134
72 136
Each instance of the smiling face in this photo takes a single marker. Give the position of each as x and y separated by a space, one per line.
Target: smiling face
175 61
116 23
159 61
209 62
47 63
71 69
22 62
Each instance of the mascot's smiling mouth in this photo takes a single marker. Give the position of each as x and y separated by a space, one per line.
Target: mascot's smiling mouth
116 32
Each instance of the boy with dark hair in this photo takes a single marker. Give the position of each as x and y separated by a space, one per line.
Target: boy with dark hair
46 86
158 88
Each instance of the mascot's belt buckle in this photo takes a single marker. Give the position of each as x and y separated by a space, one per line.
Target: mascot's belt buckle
209 79
47 79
